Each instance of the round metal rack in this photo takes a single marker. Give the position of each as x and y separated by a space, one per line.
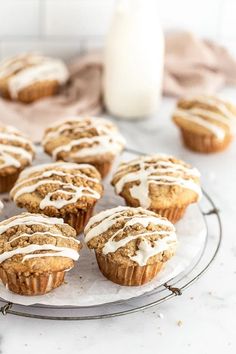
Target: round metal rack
174 287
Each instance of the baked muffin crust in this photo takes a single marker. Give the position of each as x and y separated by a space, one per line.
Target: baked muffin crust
29 70
58 188
131 236
206 115
34 243
16 150
157 182
83 139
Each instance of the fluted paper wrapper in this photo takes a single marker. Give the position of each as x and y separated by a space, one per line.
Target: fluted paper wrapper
204 143
131 275
78 221
172 214
31 285
7 182
86 286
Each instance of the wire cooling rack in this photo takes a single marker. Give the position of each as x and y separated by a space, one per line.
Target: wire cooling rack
174 287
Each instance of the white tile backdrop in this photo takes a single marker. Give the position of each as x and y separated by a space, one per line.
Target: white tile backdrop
67 27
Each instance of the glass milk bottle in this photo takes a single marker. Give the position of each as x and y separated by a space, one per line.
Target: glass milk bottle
134 57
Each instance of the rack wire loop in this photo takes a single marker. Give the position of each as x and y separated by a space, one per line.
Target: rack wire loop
212 211
176 291
4 309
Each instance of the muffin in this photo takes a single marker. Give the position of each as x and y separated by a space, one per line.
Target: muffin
207 123
28 77
84 140
59 189
160 183
131 244
35 253
16 152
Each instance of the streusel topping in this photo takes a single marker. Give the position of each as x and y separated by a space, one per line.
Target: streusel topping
27 69
27 237
83 137
206 115
57 188
16 150
146 177
131 235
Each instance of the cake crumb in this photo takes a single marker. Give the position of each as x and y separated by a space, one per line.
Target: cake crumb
179 323
191 297
160 315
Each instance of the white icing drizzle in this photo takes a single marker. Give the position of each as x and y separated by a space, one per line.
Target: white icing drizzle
156 172
214 103
12 137
28 219
78 124
26 70
108 139
63 165
146 250
41 234
193 117
101 223
7 152
206 117
67 189
37 219
60 252
49 173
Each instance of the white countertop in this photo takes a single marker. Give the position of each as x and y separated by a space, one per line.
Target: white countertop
201 321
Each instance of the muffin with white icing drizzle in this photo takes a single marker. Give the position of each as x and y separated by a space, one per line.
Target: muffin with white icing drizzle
35 253
84 140
16 152
131 244
28 77
207 123
160 183
59 189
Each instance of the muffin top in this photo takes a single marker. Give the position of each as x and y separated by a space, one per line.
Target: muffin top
206 115
16 150
157 181
83 139
57 188
37 243
131 236
26 69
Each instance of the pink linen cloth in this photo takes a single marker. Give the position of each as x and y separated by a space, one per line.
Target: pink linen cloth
192 65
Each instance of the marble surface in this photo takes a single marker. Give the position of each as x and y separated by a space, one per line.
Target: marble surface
201 321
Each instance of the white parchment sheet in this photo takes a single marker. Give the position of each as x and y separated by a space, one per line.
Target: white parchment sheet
86 286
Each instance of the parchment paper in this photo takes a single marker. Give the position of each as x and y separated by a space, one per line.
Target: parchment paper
86 286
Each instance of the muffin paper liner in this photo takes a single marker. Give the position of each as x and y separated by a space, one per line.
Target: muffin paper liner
172 214
103 167
204 143
86 286
78 221
7 182
130 276
32 284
